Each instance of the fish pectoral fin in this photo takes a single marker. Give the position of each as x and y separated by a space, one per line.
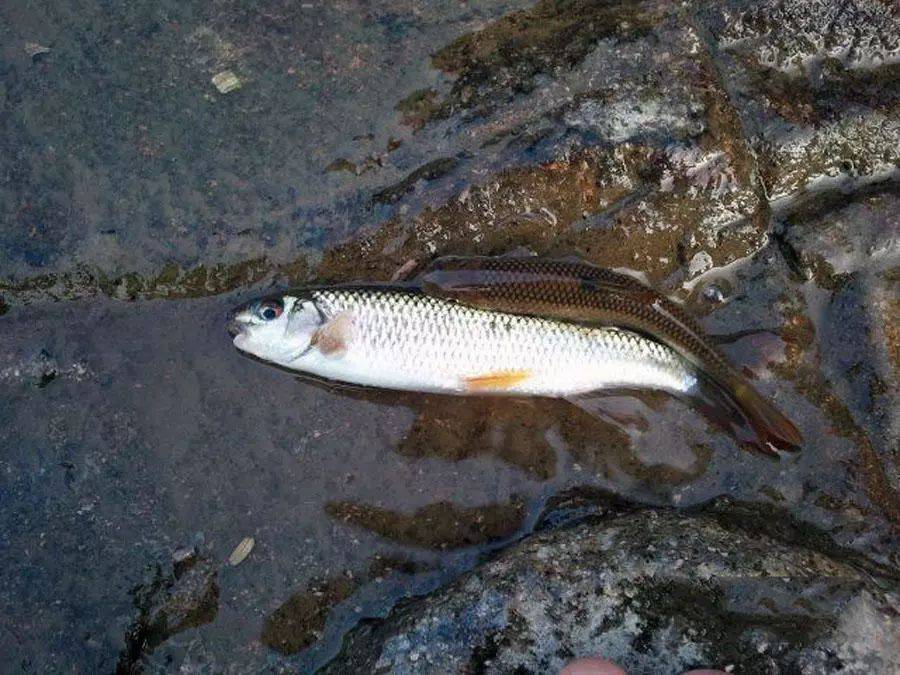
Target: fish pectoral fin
501 380
332 338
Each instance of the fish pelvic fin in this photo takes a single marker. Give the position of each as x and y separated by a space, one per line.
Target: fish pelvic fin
733 403
497 381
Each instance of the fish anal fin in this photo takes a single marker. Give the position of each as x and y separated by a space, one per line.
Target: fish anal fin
332 338
501 380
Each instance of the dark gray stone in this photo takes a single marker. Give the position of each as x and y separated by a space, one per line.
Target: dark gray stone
657 592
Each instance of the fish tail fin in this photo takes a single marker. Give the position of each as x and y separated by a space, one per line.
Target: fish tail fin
735 404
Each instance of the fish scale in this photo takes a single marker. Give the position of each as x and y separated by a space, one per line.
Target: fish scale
407 340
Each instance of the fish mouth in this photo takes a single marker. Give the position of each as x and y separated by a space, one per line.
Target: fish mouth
234 328
232 325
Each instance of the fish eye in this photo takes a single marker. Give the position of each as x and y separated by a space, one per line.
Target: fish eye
269 310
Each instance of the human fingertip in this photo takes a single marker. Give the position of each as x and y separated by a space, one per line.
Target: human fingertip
591 666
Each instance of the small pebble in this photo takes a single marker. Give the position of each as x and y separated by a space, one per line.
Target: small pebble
701 262
241 551
226 81
714 294
34 50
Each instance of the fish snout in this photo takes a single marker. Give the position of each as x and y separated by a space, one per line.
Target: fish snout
232 324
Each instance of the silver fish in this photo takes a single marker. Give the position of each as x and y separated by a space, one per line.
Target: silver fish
525 326
397 337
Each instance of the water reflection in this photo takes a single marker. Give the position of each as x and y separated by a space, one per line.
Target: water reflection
299 621
644 435
441 525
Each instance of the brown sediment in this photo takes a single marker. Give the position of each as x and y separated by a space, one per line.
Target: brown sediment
418 108
724 128
383 565
441 525
802 367
517 431
513 430
547 208
341 164
430 171
532 206
504 56
892 333
298 622
599 446
793 97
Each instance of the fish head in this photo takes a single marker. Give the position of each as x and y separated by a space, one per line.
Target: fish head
275 328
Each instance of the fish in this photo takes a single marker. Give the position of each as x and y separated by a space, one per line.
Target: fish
573 290
495 326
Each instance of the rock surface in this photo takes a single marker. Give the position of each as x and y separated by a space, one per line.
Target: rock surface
741 155
657 592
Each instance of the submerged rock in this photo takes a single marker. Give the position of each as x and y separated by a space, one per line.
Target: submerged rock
657 592
167 604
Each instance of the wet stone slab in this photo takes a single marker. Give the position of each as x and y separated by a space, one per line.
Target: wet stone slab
742 156
129 454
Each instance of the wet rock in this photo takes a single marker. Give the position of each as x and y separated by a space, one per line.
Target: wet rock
817 85
793 35
504 57
586 204
38 370
171 282
186 597
658 592
849 250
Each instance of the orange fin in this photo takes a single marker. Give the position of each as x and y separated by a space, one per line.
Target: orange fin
498 381
331 339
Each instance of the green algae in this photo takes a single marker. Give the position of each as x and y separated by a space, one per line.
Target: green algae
173 282
419 107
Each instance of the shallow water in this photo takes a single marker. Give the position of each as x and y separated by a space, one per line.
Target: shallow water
138 447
